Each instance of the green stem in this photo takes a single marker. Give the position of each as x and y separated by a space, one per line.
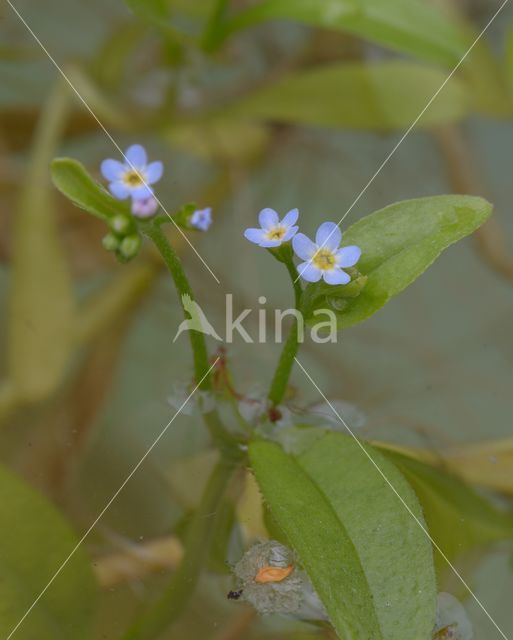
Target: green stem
290 348
183 288
222 439
199 538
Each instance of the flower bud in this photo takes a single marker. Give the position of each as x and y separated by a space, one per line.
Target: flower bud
120 224
110 242
130 246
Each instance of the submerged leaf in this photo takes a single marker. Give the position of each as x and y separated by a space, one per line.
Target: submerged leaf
410 26
359 95
41 310
459 519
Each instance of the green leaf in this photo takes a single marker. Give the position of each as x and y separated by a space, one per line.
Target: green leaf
358 96
369 561
459 519
35 541
73 180
409 26
398 244
42 308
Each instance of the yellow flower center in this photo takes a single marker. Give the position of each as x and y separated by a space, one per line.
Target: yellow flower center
324 259
276 233
133 178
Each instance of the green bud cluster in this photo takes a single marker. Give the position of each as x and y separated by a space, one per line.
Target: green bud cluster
123 239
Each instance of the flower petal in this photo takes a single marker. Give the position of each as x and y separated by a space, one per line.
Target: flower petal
141 193
268 218
290 234
112 170
255 235
328 236
136 156
303 246
119 190
336 276
290 218
154 172
348 256
309 272
267 244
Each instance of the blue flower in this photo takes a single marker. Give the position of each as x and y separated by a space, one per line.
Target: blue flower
273 230
201 219
323 258
132 177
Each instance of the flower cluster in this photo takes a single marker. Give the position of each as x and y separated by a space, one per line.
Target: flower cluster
134 178
322 259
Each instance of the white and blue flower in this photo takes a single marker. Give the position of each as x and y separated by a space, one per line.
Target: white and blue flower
201 219
273 231
323 258
133 177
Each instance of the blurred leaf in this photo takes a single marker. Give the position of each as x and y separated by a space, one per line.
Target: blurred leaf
368 559
398 244
220 138
41 312
359 96
110 63
35 540
73 180
459 519
487 83
409 26
508 58
156 11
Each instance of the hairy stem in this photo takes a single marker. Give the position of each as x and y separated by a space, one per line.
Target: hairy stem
183 583
183 288
290 348
222 439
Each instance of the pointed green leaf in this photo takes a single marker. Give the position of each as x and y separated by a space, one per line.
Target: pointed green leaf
358 96
398 244
35 541
369 561
73 180
410 26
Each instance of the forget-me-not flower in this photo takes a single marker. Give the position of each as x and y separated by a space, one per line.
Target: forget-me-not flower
273 230
134 176
323 258
201 219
